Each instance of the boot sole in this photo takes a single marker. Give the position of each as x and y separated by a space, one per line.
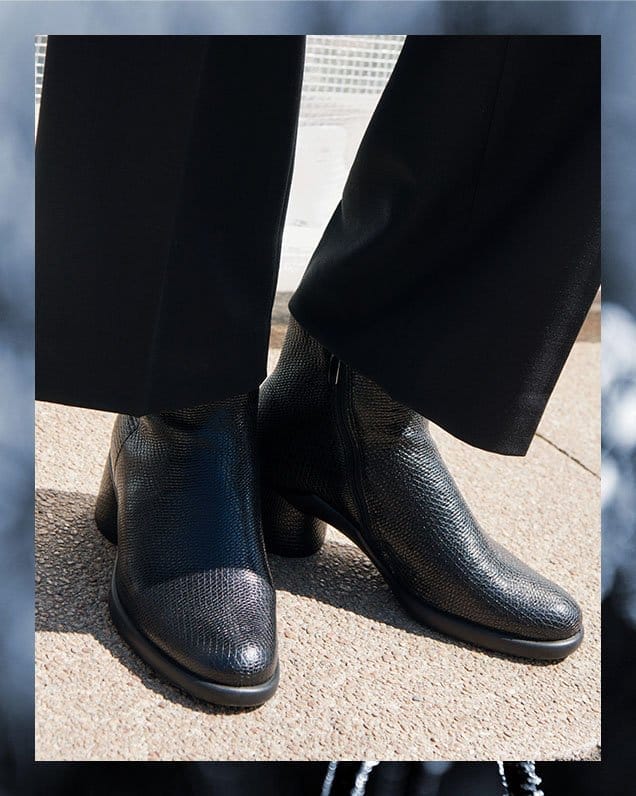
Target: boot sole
423 612
205 690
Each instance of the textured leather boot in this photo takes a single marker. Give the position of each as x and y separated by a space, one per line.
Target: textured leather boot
191 590
336 449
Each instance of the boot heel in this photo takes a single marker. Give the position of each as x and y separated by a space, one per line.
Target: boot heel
287 531
106 506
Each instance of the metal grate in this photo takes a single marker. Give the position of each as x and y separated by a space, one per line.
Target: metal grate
40 57
350 64
344 76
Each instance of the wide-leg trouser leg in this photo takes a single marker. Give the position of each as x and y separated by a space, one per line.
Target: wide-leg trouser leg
464 255
163 166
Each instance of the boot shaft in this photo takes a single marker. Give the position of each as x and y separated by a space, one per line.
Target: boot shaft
300 421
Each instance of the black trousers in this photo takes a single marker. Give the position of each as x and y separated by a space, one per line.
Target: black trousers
455 272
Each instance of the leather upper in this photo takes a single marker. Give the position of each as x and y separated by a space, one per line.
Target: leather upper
373 460
191 569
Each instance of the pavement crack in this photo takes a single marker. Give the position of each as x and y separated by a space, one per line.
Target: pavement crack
569 456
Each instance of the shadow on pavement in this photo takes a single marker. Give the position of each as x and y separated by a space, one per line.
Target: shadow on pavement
74 565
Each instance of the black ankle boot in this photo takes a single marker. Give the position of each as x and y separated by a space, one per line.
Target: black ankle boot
334 448
191 591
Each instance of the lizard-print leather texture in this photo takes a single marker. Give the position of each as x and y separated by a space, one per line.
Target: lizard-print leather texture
328 431
191 569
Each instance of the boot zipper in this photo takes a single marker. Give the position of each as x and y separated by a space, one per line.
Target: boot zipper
340 378
333 371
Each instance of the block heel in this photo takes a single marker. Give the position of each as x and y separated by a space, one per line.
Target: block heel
106 506
288 530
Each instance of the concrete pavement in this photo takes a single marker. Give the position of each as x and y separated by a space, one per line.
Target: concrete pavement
359 679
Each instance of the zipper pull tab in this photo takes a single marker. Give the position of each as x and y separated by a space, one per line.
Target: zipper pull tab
334 370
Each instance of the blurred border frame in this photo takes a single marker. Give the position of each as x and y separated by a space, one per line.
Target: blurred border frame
20 22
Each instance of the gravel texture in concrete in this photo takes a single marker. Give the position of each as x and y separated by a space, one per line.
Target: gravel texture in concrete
359 679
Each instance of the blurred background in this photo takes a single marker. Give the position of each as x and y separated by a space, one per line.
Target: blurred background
306 779
21 22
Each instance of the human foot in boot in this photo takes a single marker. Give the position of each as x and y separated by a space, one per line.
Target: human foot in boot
334 448
191 590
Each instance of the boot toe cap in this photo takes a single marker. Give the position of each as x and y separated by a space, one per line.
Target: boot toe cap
219 626
510 598
557 615
533 607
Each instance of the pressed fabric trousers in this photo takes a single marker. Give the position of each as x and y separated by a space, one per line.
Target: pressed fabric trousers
455 272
